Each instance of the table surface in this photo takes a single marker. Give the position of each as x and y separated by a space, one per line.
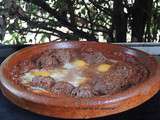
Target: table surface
150 110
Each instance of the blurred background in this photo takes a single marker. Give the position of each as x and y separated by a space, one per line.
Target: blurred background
38 21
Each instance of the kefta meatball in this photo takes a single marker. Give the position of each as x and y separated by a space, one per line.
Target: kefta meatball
65 56
53 58
47 60
82 91
100 88
94 57
117 78
140 72
44 82
25 66
62 88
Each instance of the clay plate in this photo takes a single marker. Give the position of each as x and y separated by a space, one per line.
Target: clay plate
68 107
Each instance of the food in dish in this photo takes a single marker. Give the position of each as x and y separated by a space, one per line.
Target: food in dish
80 74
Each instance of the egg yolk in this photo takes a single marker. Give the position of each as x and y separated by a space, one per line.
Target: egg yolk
40 73
80 63
103 67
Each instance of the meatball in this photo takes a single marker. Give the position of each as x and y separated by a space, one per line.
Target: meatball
15 71
117 78
82 91
44 82
53 58
94 57
65 56
140 73
62 88
120 71
47 60
104 86
25 66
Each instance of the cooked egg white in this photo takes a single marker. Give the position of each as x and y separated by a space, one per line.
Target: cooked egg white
59 74
27 78
69 66
71 76
77 80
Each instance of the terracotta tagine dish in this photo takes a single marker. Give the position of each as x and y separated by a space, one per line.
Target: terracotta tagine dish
79 79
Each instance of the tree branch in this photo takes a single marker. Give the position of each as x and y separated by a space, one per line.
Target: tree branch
19 13
94 24
105 10
43 26
89 16
71 11
42 4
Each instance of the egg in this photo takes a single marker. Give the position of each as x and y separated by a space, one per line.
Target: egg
27 78
40 73
68 66
76 80
70 72
103 67
79 63
59 74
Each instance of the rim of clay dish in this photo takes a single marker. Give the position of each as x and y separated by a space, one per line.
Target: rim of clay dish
139 89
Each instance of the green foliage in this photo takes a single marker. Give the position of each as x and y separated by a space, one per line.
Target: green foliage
80 19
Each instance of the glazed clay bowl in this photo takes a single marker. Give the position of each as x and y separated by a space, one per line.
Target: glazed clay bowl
70 107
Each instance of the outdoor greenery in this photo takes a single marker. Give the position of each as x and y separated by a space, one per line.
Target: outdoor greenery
34 21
